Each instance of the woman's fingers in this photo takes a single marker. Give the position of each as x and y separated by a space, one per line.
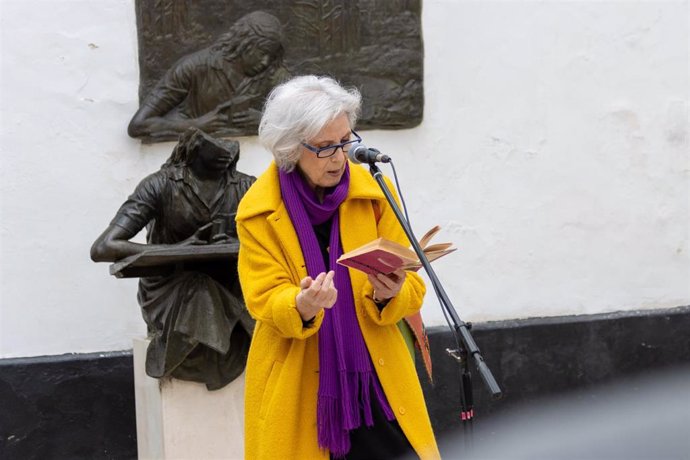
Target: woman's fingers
387 286
327 293
319 292
400 275
386 281
306 282
323 281
318 282
328 280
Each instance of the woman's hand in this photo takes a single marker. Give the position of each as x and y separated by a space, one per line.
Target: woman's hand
316 294
387 286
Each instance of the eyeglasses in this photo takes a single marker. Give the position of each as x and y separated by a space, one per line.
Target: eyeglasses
329 150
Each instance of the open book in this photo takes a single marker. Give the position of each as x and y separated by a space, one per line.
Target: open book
385 256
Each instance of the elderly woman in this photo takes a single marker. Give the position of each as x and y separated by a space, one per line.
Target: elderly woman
328 373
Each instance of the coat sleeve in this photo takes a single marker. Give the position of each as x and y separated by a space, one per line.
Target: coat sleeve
409 299
406 303
268 285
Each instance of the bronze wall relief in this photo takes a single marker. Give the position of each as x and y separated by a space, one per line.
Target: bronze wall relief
210 63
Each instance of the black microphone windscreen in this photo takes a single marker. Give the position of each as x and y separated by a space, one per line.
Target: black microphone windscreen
357 152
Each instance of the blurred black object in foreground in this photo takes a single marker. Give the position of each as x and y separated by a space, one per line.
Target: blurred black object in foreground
645 417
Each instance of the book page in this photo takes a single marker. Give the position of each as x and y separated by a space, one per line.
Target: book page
429 235
437 247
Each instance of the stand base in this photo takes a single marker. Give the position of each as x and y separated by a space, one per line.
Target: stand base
183 420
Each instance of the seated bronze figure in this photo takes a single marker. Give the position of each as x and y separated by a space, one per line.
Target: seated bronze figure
197 321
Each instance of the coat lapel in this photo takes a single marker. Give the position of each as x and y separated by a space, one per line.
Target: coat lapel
281 224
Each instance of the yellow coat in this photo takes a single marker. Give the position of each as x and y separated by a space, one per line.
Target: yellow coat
282 370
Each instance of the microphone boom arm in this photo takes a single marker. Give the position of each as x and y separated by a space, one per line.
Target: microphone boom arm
461 328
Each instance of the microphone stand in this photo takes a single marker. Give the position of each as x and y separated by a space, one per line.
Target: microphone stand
466 350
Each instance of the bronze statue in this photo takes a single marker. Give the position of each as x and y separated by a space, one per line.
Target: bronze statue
197 321
219 89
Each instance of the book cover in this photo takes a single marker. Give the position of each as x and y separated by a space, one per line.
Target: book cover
385 256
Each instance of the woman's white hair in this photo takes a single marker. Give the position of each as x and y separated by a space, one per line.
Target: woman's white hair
297 111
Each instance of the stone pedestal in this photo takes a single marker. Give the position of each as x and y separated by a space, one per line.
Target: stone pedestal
183 420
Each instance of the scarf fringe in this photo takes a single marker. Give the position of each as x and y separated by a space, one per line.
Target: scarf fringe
349 390
355 404
335 440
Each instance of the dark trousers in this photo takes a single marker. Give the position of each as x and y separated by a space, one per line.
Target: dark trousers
383 441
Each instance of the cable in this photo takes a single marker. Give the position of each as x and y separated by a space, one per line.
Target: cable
402 199
444 307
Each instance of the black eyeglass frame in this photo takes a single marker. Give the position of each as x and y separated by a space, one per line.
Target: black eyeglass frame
318 150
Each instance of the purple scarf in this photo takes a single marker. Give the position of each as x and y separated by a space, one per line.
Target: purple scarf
345 370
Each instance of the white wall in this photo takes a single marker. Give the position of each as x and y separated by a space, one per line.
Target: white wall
554 151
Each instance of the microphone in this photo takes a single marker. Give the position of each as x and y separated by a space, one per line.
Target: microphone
360 153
